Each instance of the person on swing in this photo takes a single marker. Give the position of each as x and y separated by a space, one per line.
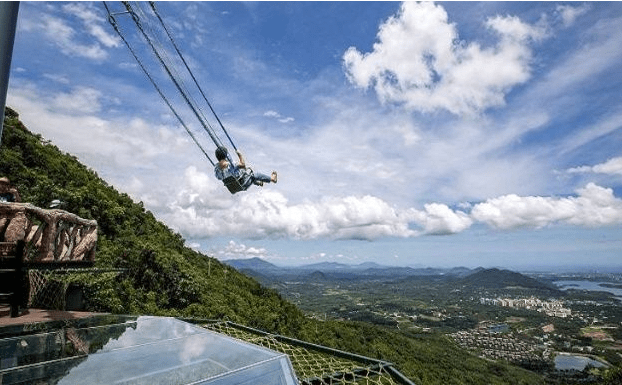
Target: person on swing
245 177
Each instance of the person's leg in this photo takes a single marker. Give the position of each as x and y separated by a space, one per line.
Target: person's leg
259 179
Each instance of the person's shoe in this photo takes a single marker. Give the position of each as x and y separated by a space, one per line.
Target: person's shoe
274 177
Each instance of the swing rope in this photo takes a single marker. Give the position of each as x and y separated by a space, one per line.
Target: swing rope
170 74
113 22
181 56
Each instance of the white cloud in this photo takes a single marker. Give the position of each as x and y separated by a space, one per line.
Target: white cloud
580 69
612 167
62 79
439 219
569 83
512 28
585 135
81 100
203 208
410 136
277 116
259 214
235 250
77 29
93 22
82 11
198 206
103 37
371 164
594 206
108 144
419 61
271 114
64 36
570 13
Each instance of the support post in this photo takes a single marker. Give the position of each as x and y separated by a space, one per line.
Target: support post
8 23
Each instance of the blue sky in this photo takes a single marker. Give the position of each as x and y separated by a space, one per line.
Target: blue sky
422 134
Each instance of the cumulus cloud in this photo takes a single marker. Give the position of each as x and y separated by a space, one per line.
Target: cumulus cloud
439 219
203 209
235 250
611 167
419 61
594 206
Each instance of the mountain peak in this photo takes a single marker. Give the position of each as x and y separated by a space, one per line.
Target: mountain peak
254 263
499 278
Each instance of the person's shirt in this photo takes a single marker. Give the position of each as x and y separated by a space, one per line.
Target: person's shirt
243 176
228 171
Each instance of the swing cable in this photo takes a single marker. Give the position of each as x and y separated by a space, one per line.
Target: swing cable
113 22
212 135
153 7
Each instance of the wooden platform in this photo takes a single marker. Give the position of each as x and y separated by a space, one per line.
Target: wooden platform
31 316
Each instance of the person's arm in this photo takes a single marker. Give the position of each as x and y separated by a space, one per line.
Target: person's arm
242 163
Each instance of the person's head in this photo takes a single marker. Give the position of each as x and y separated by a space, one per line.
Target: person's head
221 153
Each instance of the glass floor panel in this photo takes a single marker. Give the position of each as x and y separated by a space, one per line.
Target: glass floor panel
143 350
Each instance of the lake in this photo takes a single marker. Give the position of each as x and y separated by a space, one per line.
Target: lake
588 285
576 362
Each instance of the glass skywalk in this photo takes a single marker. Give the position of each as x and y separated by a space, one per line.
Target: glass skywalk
143 350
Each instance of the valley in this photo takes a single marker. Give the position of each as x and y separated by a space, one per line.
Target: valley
524 319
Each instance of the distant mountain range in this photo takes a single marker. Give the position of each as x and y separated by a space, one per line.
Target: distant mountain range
257 266
480 277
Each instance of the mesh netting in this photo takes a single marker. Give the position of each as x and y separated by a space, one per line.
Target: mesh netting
312 367
45 291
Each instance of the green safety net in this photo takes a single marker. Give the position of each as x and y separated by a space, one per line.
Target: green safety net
312 367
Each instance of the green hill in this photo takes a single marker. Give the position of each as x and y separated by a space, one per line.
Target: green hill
499 279
163 277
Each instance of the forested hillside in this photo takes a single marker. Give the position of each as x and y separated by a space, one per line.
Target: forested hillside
161 276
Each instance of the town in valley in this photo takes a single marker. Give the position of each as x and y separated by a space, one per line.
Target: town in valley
564 325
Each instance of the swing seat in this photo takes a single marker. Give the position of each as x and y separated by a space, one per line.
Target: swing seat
240 183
